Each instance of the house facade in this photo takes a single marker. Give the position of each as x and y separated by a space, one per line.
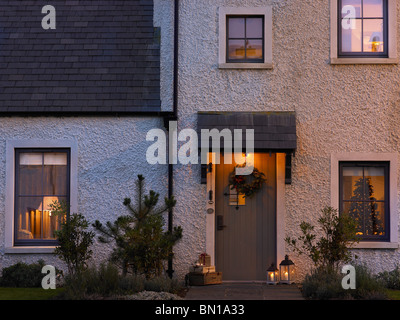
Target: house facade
315 82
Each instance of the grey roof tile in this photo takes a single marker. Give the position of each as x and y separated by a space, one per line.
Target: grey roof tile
101 50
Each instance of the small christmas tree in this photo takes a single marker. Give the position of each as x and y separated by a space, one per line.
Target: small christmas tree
365 213
142 245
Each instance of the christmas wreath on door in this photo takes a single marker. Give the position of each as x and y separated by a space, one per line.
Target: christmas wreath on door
247 185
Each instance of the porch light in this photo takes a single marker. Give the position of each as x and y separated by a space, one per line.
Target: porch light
287 271
272 275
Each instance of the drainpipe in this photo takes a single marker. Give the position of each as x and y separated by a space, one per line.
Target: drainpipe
173 117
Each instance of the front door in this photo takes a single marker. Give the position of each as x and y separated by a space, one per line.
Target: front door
246 229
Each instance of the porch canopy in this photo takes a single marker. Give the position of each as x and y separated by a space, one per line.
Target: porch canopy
273 131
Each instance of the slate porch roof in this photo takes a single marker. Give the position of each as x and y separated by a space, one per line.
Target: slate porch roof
274 131
102 57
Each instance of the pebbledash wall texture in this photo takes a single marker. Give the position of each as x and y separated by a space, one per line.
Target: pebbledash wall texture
340 109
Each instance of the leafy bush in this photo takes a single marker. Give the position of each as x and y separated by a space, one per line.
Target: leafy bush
324 285
391 279
106 281
73 238
23 275
102 281
368 286
338 234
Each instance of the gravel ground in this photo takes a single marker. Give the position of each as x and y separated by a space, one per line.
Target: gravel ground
151 295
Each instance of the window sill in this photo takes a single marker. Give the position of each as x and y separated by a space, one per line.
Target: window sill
376 245
29 250
245 66
335 61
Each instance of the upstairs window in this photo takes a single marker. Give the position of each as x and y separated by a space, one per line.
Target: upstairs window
363 28
245 39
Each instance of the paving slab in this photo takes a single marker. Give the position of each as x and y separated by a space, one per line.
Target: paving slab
244 291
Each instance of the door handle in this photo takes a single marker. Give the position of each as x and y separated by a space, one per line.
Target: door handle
220 223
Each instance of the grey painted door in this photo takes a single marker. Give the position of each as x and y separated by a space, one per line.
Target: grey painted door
246 237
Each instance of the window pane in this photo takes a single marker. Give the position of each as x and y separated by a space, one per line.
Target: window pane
351 8
55 159
236 49
373 35
35 159
373 9
375 178
55 180
30 174
356 211
254 49
351 37
352 183
236 28
29 218
374 219
254 28
51 222
30 180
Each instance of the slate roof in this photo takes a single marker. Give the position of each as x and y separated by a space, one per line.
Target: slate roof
275 131
103 56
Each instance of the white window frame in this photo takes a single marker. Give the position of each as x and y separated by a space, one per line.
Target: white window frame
265 11
392 38
11 145
393 175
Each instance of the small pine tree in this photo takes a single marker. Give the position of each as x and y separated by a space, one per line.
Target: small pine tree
142 245
365 213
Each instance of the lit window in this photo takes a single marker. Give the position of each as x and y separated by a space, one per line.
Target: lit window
41 178
363 28
245 39
364 196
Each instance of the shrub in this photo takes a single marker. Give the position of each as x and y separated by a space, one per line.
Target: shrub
105 281
92 282
338 234
73 238
391 279
324 285
23 275
368 286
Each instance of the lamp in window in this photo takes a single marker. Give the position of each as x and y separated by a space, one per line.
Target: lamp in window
287 273
272 275
376 42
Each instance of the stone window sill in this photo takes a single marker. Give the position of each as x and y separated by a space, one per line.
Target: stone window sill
376 245
245 66
336 61
29 250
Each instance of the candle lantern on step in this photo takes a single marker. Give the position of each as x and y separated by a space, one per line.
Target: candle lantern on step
272 275
287 273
